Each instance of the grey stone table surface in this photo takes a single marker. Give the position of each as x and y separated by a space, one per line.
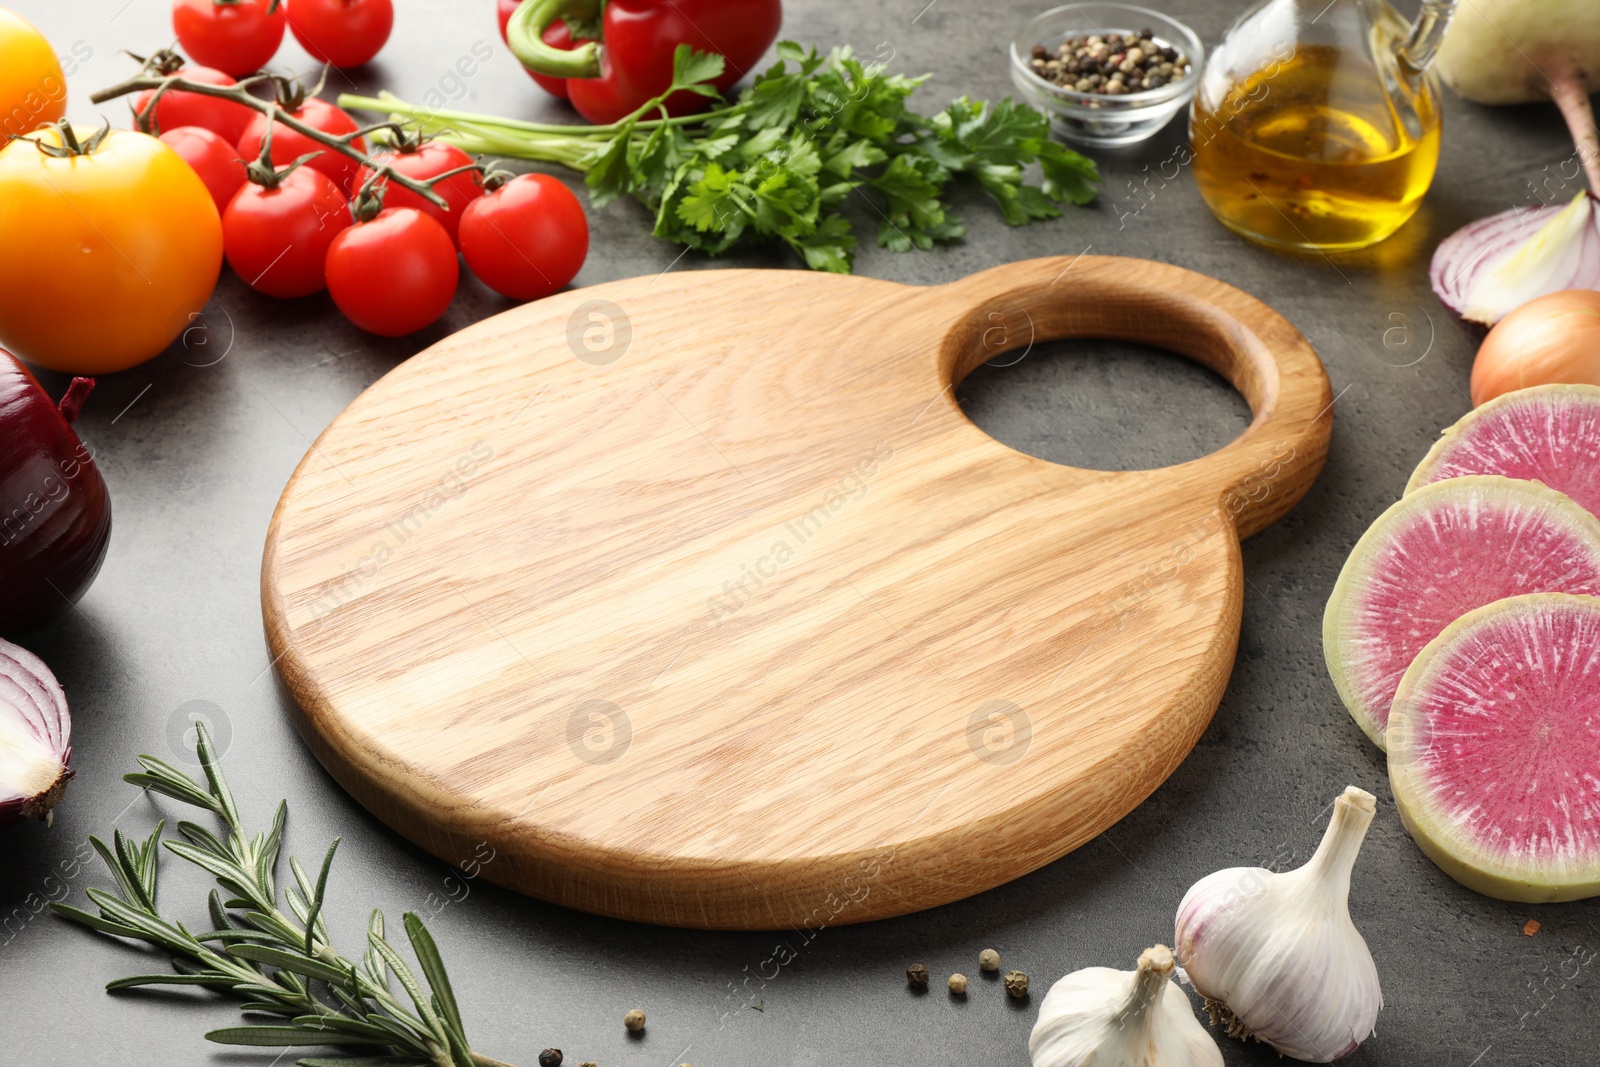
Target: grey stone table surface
197 444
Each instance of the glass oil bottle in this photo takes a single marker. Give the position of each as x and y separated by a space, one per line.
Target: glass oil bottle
1316 123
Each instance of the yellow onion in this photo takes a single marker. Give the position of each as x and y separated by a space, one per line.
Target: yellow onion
1553 339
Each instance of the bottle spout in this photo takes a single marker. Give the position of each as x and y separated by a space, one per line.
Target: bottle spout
1422 44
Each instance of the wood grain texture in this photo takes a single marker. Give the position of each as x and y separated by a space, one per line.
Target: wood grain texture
697 600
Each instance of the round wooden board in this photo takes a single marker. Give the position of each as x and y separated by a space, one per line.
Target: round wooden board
697 600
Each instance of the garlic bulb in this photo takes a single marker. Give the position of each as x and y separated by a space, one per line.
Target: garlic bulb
1100 1017
1276 955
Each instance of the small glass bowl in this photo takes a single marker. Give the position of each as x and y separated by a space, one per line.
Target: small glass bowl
1096 118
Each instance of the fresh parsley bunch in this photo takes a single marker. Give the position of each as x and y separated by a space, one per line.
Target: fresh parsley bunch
781 162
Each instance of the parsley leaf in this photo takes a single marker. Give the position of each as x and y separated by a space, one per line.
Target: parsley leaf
810 134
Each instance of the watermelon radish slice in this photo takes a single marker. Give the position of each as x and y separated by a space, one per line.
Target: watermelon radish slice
1440 552
1548 434
1494 748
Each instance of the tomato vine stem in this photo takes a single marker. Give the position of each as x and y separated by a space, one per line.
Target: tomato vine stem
149 79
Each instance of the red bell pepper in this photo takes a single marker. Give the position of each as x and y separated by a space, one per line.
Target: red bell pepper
632 61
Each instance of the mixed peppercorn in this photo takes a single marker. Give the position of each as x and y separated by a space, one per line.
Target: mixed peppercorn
1111 64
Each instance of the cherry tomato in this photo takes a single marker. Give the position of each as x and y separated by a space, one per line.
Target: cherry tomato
176 109
434 157
33 91
289 145
238 37
393 274
346 33
527 238
208 155
277 239
557 35
107 255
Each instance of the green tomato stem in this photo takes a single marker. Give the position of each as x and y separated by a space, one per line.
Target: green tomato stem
239 95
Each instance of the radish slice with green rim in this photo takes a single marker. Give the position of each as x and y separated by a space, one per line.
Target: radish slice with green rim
1548 434
1494 748
1437 554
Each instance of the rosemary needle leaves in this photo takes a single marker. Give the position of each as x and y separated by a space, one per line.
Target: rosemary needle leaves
281 964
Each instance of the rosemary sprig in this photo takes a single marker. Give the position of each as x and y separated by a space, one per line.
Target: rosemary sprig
280 964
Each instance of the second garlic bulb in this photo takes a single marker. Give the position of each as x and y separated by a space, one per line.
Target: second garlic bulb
1100 1017
1276 955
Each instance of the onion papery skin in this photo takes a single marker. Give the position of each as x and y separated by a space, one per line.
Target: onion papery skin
1554 340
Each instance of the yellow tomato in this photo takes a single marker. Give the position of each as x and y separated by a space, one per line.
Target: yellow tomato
32 89
105 256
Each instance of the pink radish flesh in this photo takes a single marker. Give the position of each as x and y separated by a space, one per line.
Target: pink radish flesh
1441 552
1495 748
1550 434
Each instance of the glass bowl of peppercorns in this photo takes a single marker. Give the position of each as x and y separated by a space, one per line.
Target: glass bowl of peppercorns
1107 74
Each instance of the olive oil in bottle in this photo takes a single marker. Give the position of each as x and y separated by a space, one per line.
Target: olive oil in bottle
1321 146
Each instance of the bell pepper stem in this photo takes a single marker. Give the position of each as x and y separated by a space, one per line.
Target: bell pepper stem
525 34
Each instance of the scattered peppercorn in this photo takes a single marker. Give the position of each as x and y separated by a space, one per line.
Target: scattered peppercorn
1016 984
588 1063
958 985
634 1020
989 960
1110 64
917 977
550 1057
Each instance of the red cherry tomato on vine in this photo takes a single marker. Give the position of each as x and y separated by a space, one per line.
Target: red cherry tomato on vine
527 238
277 239
393 274
557 35
239 37
175 109
433 158
346 33
214 159
289 145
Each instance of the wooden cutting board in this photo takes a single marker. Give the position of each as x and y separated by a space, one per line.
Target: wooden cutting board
696 599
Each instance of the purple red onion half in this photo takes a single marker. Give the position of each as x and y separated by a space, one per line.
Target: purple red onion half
1493 266
35 737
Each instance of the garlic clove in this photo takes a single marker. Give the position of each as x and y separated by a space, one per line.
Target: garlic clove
1102 1017
1277 956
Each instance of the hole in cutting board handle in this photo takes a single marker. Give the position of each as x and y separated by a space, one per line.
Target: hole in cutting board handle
1267 467
1103 405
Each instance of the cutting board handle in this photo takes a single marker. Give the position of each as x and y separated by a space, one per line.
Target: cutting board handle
1256 478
